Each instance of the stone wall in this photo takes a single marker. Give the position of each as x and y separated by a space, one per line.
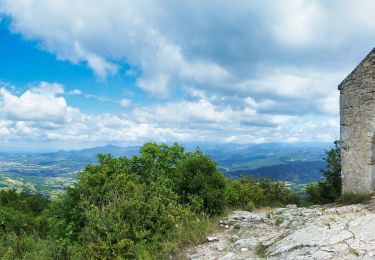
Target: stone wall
357 114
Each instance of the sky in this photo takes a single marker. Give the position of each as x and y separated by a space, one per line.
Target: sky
84 73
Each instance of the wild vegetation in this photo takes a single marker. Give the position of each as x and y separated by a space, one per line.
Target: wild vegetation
248 194
329 189
148 206
353 198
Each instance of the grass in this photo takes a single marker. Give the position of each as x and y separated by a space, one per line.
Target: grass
279 221
195 232
353 198
190 234
261 250
250 206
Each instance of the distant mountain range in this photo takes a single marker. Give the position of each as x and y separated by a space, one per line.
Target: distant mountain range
296 172
297 163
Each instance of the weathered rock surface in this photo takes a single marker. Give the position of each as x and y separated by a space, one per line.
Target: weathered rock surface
319 232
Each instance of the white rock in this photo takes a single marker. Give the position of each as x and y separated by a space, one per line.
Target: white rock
228 256
311 236
245 216
291 206
220 248
212 239
248 243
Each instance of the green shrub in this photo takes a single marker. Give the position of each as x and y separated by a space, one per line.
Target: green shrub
250 206
26 246
329 189
279 221
261 193
199 180
261 250
313 193
276 193
23 227
353 198
148 205
194 176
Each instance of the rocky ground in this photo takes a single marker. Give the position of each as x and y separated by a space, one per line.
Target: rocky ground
319 232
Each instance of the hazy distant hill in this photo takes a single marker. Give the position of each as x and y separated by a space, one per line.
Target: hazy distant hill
297 163
298 172
91 153
248 157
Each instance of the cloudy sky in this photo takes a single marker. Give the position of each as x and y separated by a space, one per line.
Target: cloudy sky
89 72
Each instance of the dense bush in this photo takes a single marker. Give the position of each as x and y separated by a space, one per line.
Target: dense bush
248 193
329 189
23 227
147 206
138 206
200 184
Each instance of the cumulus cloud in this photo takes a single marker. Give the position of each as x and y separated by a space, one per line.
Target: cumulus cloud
287 88
202 114
183 121
195 43
40 103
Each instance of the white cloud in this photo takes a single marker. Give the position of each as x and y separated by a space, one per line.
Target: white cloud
98 98
75 92
125 103
193 43
40 103
294 22
185 112
198 120
99 65
246 70
290 52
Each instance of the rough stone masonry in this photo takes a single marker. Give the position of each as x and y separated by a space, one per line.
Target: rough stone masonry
357 127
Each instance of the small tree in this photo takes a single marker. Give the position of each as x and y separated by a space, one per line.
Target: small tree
329 189
331 186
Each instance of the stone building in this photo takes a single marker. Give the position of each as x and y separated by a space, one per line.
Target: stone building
357 127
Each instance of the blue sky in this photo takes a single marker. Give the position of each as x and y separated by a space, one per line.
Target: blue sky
85 73
24 63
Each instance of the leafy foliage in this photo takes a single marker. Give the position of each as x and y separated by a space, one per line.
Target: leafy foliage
329 189
147 206
137 206
200 184
22 225
248 193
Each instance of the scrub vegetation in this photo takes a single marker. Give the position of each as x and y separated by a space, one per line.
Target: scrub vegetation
151 205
